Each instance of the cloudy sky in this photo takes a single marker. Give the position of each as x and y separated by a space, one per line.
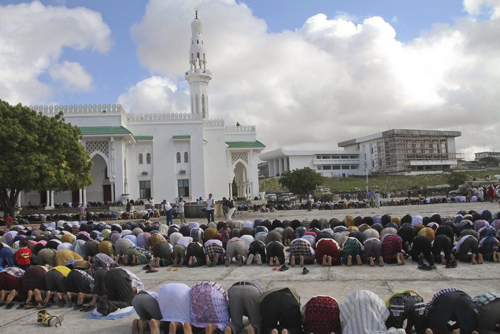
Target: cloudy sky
308 74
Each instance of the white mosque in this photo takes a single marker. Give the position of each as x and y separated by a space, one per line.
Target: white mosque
162 155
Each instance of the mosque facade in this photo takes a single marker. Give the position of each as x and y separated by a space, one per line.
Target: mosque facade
162 155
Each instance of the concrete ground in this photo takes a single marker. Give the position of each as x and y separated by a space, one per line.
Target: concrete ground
337 282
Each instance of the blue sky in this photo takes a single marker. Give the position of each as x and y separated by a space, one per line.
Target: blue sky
404 63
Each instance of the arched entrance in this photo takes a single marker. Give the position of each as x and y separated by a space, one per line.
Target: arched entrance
241 180
101 189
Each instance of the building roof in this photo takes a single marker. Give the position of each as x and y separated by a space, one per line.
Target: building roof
104 130
181 137
282 153
245 144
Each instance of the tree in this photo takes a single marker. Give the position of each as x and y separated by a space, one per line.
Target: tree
301 181
38 153
455 180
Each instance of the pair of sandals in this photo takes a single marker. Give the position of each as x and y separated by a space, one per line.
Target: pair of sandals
49 320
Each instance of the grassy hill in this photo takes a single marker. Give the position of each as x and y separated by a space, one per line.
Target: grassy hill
396 184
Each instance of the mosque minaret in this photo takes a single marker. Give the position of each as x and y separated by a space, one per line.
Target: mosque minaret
198 76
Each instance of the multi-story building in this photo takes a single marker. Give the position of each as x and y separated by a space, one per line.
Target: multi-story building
406 151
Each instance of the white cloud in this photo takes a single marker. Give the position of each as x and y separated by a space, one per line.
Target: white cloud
333 79
32 38
479 7
72 76
154 95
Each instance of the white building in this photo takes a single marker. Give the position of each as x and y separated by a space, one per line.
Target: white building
162 155
325 162
393 151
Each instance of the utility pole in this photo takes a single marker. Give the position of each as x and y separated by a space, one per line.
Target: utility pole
366 172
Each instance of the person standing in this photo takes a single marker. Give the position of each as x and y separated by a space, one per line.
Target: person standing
180 210
309 202
168 210
82 211
210 208
231 209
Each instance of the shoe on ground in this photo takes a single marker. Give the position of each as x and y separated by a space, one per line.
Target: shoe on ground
305 271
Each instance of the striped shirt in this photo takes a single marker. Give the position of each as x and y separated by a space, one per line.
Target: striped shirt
363 312
484 299
440 293
135 281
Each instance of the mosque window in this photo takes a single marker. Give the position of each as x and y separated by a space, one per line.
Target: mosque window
144 189
186 157
140 159
183 188
203 105
178 157
197 42
148 158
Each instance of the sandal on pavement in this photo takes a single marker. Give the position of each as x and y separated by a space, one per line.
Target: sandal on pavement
61 302
152 270
22 306
9 305
283 268
305 271
146 267
87 308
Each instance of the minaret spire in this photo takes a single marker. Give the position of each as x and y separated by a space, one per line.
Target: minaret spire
198 76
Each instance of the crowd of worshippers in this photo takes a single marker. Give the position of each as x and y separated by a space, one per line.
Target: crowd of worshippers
205 307
372 240
79 264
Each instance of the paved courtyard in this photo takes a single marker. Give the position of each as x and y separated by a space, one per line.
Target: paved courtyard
337 282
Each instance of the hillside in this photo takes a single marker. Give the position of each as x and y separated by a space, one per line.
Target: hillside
395 184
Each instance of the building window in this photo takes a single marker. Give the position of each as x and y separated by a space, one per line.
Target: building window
140 158
203 106
178 157
183 188
148 158
186 157
144 189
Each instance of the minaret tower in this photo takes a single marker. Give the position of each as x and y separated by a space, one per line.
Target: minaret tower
198 76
